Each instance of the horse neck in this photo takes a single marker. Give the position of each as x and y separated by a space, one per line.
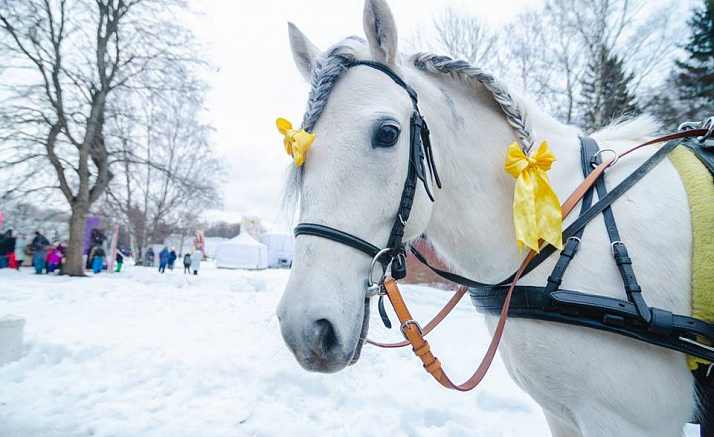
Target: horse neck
472 219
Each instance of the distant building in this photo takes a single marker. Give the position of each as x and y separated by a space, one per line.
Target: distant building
251 226
418 273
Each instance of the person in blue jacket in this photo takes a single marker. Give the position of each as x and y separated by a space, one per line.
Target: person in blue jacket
39 244
172 258
98 261
163 259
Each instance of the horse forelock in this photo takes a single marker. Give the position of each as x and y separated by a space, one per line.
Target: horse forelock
327 69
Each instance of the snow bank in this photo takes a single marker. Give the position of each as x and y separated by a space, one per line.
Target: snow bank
143 354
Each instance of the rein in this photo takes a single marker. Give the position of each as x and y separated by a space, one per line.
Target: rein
392 257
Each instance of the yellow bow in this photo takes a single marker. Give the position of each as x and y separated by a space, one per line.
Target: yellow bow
536 209
297 142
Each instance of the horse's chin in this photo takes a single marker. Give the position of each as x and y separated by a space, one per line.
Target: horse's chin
362 334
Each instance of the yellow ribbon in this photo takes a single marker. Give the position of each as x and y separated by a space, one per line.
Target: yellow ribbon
296 142
536 210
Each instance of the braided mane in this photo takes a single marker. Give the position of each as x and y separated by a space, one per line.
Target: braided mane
332 63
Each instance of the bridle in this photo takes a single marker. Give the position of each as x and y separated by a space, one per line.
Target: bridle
421 157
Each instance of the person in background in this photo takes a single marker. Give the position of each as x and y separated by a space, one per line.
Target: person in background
7 246
20 248
54 259
187 263
172 258
90 257
196 259
62 252
2 250
9 250
39 243
163 259
149 257
120 261
98 261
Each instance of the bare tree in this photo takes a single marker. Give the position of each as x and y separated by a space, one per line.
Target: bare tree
545 51
460 35
66 60
529 55
637 33
166 173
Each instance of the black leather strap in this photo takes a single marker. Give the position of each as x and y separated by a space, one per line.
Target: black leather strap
621 189
599 312
389 72
588 148
336 235
619 250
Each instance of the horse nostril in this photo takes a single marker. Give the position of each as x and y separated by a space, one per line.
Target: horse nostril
324 339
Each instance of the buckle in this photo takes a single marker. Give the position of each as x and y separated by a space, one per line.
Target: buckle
410 322
577 240
612 247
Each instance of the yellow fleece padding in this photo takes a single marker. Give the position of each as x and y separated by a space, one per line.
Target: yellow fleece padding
700 191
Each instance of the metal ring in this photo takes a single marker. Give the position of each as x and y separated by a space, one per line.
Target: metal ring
708 124
689 125
612 246
370 281
613 151
374 290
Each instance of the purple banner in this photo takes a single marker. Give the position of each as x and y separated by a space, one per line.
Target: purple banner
92 223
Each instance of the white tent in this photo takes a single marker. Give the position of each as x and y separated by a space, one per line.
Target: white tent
280 249
242 252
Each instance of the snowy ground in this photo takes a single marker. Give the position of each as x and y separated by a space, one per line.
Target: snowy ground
141 354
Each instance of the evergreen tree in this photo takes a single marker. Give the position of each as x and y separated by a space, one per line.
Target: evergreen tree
605 94
695 78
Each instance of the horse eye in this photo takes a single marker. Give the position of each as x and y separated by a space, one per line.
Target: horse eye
386 136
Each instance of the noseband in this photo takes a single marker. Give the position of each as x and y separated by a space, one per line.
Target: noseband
420 157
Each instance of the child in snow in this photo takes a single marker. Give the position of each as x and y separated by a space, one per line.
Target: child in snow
196 259
172 258
54 257
98 261
20 248
120 261
187 263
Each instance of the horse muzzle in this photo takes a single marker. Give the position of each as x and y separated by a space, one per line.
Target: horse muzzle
316 342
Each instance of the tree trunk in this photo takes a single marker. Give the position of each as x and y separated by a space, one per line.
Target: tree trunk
135 249
74 265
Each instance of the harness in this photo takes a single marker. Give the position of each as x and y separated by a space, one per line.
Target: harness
631 317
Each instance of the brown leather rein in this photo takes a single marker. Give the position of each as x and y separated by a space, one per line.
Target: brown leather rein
414 334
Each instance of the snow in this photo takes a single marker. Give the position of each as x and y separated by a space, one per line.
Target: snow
144 354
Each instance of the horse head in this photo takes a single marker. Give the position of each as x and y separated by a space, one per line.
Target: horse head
352 180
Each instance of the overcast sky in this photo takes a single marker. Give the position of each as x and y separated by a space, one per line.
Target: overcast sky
255 79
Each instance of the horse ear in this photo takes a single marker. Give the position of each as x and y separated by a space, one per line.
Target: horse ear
304 52
381 30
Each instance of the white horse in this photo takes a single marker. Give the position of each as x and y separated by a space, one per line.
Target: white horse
589 383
